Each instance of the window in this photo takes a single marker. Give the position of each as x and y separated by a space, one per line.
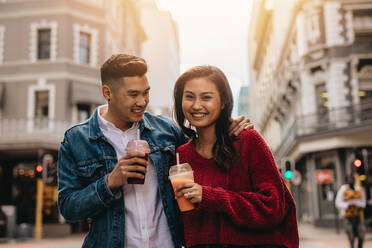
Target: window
84 47
322 104
41 104
365 90
43 40
43 43
365 96
363 42
83 112
85 50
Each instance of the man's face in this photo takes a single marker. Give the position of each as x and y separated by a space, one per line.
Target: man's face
129 99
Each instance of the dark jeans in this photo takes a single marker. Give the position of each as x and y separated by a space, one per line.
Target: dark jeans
355 230
236 246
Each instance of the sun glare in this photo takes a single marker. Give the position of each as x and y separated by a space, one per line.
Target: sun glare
184 8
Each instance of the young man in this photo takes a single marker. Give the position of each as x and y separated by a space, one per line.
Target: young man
93 166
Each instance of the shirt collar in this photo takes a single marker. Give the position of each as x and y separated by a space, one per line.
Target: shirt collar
107 125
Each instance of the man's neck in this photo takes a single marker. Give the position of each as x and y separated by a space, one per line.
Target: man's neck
111 117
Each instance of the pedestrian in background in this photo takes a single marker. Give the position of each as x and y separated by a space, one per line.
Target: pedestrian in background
351 200
239 195
93 166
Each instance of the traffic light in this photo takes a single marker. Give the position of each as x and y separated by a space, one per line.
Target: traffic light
358 163
39 171
49 168
288 172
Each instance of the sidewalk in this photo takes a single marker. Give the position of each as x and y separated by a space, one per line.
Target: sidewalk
318 237
310 237
72 241
311 232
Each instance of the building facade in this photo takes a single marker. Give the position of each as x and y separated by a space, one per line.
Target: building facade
162 53
311 94
50 55
243 105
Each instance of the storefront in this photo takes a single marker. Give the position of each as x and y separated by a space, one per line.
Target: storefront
322 173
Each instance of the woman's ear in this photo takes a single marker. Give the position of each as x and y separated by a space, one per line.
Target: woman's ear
222 106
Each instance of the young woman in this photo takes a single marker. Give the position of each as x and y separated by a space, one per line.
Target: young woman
240 197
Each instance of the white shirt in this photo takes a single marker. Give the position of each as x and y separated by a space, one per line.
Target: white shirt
145 221
343 205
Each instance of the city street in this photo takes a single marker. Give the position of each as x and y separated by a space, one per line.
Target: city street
309 238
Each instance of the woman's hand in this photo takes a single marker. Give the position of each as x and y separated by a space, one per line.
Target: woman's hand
191 191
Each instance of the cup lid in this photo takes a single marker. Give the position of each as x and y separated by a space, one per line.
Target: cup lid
179 168
138 144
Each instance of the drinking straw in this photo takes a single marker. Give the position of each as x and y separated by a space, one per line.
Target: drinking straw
178 158
138 134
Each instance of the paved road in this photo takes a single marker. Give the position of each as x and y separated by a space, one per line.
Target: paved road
310 238
75 242
70 242
331 244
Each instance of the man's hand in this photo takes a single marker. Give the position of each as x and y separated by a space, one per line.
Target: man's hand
238 125
128 166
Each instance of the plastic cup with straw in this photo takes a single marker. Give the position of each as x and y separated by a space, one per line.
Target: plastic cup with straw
138 145
179 174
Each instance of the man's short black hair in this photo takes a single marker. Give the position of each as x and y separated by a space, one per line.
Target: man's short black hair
122 65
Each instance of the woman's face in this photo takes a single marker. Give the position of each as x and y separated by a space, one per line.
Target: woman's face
201 102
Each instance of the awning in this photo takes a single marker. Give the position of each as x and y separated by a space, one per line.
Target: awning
85 93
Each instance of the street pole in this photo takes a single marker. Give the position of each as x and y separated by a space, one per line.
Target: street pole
358 182
337 224
288 184
39 209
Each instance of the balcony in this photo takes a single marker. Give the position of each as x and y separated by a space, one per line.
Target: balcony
337 121
16 134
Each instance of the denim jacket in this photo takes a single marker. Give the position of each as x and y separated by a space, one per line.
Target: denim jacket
84 161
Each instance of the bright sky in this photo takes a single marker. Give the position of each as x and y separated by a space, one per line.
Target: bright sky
213 32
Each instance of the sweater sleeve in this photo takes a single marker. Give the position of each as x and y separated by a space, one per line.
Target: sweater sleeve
263 207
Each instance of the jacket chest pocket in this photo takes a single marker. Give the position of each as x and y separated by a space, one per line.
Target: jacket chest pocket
91 172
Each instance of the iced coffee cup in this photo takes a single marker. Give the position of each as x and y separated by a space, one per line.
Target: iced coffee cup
179 174
138 146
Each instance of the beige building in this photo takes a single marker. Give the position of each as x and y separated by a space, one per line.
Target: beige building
311 93
161 51
50 55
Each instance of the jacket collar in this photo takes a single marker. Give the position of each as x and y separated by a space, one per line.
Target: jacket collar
145 123
95 131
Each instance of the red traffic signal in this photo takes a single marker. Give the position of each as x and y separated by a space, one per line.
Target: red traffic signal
39 171
39 168
357 163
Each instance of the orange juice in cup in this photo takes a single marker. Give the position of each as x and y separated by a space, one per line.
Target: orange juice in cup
179 174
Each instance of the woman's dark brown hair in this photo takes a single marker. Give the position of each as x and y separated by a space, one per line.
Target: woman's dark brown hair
224 152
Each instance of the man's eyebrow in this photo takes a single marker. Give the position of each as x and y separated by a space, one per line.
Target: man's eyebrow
136 91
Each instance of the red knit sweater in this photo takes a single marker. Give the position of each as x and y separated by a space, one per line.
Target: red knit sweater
249 205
